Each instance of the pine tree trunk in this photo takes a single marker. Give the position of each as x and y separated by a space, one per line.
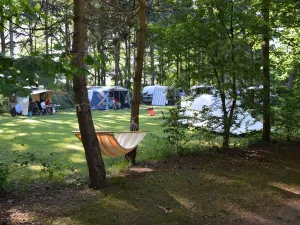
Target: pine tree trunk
90 142
67 50
138 73
152 65
46 27
2 34
117 61
103 64
266 74
11 39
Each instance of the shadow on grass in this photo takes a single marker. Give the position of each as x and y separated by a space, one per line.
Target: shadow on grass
206 189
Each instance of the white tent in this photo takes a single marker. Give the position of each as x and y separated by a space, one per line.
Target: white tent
244 120
156 95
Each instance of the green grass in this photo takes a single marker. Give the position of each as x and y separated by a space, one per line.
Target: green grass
43 135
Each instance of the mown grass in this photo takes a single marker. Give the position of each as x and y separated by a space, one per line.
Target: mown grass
44 135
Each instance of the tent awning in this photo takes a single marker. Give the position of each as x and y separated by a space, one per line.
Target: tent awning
36 92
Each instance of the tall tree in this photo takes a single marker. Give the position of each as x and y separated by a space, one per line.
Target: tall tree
90 142
266 73
137 79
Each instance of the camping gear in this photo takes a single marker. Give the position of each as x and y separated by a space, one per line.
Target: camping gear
151 113
13 112
104 98
32 102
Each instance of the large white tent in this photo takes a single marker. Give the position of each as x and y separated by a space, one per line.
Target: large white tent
194 105
158 95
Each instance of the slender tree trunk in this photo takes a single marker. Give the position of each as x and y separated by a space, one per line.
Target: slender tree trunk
152 65
145 81
90 142
46 27
138 73
129 62
117 61
266 74
11 39
67 50
103 64
2 35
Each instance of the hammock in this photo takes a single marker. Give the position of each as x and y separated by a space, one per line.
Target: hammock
117 144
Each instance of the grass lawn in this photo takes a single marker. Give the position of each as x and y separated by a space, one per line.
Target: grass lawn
43 135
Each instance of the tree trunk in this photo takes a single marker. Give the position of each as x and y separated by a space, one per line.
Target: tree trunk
2 34
145 81
152 65
46 27
138 73
266 74
67 49
117 61
11 39
103 64
129 65
90 142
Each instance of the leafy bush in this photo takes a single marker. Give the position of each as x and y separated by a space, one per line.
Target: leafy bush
176 131
50 165
286 116
3 104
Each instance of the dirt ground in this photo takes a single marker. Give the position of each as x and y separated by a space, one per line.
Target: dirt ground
257 185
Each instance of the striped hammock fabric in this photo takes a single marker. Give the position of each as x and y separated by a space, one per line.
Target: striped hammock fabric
113 145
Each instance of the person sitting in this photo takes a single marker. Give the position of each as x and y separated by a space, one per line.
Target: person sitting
117 103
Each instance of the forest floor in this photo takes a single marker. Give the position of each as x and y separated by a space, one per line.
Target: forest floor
256 185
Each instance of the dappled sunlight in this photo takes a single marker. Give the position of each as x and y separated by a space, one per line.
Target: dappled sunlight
78 159
9 124
141 170
62 145
217 178
151 124
36 168
30 121
289 188
111 201
19 217
22 134
246 215
187 203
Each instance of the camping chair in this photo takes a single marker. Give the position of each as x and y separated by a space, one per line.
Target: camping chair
35 109
151 113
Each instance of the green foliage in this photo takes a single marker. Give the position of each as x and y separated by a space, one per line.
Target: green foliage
30 71
50 165
176 131
54 163
286 117
3 104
